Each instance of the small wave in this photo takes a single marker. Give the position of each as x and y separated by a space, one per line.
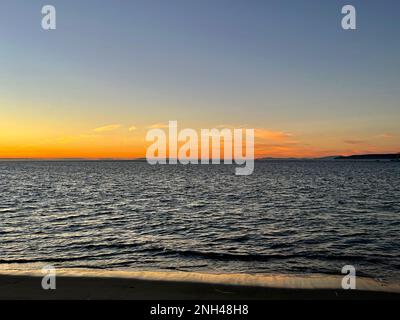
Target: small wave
55 260
263 257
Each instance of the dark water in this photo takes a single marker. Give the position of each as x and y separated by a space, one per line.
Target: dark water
288 217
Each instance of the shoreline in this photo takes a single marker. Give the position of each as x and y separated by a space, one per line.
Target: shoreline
154 285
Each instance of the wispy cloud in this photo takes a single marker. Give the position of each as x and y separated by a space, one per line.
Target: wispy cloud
107 128
132 128
354 141
158 126
266 134
385 136
276 143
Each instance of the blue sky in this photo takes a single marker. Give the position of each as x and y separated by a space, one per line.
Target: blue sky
279 65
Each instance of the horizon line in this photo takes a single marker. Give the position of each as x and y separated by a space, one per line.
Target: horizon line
144 159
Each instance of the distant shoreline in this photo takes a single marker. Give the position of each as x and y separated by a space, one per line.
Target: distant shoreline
372 157
357 157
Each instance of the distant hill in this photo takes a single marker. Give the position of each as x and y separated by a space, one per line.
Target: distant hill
384 157
327 158
371 157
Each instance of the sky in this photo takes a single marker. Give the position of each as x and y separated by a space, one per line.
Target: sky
113 69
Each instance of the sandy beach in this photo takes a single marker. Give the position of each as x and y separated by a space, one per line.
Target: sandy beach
89 284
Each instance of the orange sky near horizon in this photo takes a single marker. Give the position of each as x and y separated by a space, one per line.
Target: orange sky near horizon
117 141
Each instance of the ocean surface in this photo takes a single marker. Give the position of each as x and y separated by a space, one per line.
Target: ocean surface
289 217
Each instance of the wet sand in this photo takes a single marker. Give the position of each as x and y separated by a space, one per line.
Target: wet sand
88 284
